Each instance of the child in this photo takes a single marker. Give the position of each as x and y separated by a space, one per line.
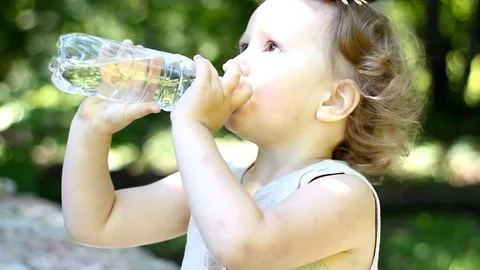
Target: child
321 88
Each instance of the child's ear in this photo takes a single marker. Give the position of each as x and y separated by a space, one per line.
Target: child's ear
341 99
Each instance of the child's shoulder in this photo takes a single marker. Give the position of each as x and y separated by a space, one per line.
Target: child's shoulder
329 167
341 170
323 168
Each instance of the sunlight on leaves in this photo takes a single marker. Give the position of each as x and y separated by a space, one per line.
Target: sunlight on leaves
45 153
430 241
455 65
4 91
211 4
175 39
424 160
464 162
110 28
422 250
209 50
423 82
27 20
11 113
3 150
463 9
469 261
21 75
233 148
46 96
158 154
121 156
472 94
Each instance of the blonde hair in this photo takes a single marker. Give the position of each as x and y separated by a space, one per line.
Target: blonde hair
387 118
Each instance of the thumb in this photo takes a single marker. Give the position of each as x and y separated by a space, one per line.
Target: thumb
242 95
138 110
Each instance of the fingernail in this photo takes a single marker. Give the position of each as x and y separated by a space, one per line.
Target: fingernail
197 57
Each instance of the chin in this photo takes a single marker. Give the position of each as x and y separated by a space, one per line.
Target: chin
246 122
239 123
245 128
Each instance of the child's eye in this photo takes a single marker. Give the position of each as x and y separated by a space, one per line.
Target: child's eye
273 47
243 47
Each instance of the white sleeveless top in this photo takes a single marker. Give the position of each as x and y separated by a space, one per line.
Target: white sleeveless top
196 254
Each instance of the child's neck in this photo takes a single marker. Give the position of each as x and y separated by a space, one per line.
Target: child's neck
271 164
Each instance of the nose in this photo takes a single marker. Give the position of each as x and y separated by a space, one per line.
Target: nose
240 60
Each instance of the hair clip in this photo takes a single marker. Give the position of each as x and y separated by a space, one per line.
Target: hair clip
359 2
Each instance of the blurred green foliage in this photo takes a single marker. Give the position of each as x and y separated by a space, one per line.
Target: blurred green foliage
35 117
430 241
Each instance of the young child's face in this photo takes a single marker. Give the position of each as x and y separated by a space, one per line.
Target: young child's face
286 48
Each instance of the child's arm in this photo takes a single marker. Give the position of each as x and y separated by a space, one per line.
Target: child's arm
325 218
96 215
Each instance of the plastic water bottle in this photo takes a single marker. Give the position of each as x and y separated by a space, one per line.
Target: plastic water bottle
120 72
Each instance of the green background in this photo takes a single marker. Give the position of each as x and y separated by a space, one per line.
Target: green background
430 204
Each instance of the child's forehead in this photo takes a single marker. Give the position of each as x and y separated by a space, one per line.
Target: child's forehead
289 16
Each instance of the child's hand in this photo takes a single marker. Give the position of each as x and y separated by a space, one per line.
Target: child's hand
210 101
106 117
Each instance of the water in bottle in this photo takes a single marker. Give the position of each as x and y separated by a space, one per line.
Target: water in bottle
119 71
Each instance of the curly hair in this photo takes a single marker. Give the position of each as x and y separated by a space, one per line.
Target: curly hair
386 120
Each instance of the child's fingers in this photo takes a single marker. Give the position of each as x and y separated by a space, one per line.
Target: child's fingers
202 70
140 72
125 48
214 77
242 95
226 65
122 52
104 88
231 79
135 111
123 71
157 65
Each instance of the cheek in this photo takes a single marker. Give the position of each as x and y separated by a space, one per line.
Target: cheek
275 95
272 87
267 97
282 91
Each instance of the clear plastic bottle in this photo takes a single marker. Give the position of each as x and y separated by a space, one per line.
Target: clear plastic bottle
119 71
